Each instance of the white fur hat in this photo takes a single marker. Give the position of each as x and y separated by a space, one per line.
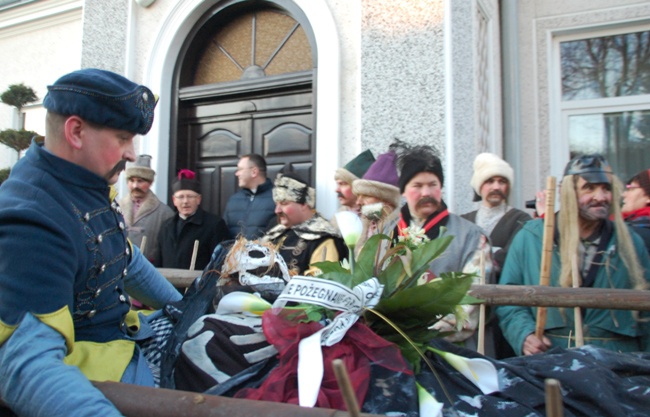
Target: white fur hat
488 165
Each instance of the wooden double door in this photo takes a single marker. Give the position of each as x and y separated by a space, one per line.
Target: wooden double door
212 135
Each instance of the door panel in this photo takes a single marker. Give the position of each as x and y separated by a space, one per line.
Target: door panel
278 128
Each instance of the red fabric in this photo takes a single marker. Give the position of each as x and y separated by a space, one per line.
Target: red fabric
359 348
642 212
402 224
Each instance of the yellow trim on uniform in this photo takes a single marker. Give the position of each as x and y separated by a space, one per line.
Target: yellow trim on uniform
5 331
132 321
112 194
61 321
102 361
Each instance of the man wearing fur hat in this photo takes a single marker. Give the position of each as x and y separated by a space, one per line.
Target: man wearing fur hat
421 180
346 176
492 182
191 223
66 264
378 196
303 235
607 256
143 212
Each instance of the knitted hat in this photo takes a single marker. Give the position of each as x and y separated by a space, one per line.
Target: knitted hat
186 181
488 165
141 168
380 180
417 159
592 168
643 178
356 168
289 186
104 98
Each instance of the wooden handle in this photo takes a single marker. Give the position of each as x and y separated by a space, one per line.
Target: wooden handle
577 314
195 252
345 386
480 346
143 244
547 251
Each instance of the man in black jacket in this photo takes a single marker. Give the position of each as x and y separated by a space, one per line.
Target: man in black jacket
250 209
191 223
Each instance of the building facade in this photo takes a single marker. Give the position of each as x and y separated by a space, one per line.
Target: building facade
314 82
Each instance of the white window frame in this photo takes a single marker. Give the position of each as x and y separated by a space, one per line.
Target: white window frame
561 111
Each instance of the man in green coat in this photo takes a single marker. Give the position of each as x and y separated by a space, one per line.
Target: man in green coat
608 255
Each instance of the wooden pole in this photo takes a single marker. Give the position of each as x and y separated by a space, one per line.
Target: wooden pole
480 348
577 314
553 398
195 251
346 387
547 251
133 400
536 296
143 244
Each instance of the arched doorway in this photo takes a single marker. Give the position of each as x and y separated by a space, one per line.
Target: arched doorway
243 84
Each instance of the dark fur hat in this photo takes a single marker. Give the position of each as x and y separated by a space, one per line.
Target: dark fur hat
415 159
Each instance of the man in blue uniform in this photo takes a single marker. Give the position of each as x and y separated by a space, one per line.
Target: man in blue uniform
65 263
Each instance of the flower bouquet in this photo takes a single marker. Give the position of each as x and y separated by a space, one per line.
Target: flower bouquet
409 306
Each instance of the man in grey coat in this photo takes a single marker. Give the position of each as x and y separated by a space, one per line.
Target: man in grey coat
143 212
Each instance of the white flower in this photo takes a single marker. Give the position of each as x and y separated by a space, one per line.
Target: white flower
428 405
373 211
345 264
350 227
414 236
242 302
479 371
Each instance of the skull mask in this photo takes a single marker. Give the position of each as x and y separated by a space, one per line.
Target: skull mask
252 263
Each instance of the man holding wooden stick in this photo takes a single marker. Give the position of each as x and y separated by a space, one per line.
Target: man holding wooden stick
191 223
606 253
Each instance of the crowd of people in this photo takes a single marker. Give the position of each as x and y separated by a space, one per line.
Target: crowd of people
72 256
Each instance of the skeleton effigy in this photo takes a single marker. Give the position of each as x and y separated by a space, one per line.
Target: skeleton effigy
248 329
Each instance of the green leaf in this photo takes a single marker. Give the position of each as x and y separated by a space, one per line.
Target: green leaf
427 301
426 253
369 257
329 266
341 277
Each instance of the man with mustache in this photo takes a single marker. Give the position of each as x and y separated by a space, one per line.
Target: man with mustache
606 254
303 235
143 212
420 182
66 265
345 177
492 181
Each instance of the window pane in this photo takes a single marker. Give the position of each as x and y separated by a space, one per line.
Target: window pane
623 138
609 66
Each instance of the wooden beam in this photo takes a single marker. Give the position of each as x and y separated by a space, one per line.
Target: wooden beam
535 295
515 295
137 401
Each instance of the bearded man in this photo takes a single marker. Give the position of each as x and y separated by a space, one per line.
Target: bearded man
607 256
420 182
492 181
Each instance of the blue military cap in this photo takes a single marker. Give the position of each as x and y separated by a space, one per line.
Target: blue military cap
103 97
